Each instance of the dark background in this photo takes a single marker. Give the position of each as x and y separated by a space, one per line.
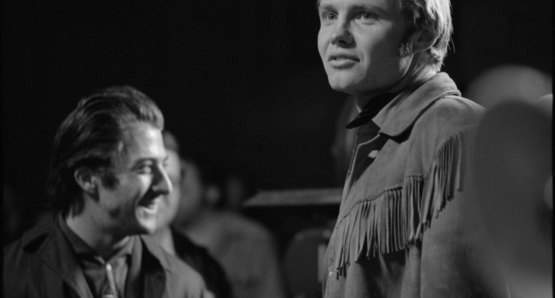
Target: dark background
239 80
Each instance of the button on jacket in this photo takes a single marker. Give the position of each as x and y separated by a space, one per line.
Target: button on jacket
406 225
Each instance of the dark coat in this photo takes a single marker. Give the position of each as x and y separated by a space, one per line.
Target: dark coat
42 264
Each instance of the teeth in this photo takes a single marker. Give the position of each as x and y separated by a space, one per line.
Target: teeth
148 203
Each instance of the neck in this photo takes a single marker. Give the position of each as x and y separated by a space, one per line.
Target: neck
163 237
101 240
414 77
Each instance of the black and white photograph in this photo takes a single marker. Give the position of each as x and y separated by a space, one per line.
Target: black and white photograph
277 148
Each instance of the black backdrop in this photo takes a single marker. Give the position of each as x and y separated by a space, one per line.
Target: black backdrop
241 80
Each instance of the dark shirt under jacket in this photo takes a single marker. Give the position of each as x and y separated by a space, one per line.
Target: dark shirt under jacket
368 142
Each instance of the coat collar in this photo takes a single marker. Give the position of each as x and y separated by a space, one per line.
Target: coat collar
156 251
401 113
51 246
54 251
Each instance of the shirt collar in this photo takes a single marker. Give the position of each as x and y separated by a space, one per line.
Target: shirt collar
401 112
370 110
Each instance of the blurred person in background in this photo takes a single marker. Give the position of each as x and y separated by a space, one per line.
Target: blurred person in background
508 83
514 184
237 188
406 223
177 243
107 178
243 247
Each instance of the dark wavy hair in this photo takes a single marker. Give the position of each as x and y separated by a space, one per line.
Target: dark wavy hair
92 136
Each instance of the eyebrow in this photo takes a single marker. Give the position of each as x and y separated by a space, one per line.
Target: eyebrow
140 161
325 6
370 7
148 159
358 7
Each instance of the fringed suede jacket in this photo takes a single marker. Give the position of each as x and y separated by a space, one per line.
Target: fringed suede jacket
406 226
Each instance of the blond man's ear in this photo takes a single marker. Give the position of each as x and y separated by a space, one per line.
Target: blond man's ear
422 40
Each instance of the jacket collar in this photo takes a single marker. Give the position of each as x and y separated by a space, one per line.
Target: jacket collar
401 113
50 244
54 251
155 250
157 263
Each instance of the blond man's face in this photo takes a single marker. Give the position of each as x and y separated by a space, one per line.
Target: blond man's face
359 43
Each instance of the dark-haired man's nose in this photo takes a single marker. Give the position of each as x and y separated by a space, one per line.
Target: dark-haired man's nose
162 183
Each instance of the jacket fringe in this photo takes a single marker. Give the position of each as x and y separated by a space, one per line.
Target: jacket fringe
397 218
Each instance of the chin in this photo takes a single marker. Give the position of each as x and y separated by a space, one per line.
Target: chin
337 85
341 83
146 224
345 88
147 228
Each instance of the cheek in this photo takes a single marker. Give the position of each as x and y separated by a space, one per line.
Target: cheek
135 189
382 43
322 42
375 51
383 57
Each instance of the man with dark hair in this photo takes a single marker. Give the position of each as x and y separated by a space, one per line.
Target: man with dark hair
107 177
405 227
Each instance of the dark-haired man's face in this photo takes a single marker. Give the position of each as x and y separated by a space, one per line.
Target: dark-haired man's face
170 203
359 42
131 206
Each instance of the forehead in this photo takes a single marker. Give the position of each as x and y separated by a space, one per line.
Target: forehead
142 141
388 5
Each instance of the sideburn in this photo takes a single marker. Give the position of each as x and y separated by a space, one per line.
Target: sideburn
108 178
406 49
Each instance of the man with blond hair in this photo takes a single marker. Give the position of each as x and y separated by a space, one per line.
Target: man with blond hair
405 227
